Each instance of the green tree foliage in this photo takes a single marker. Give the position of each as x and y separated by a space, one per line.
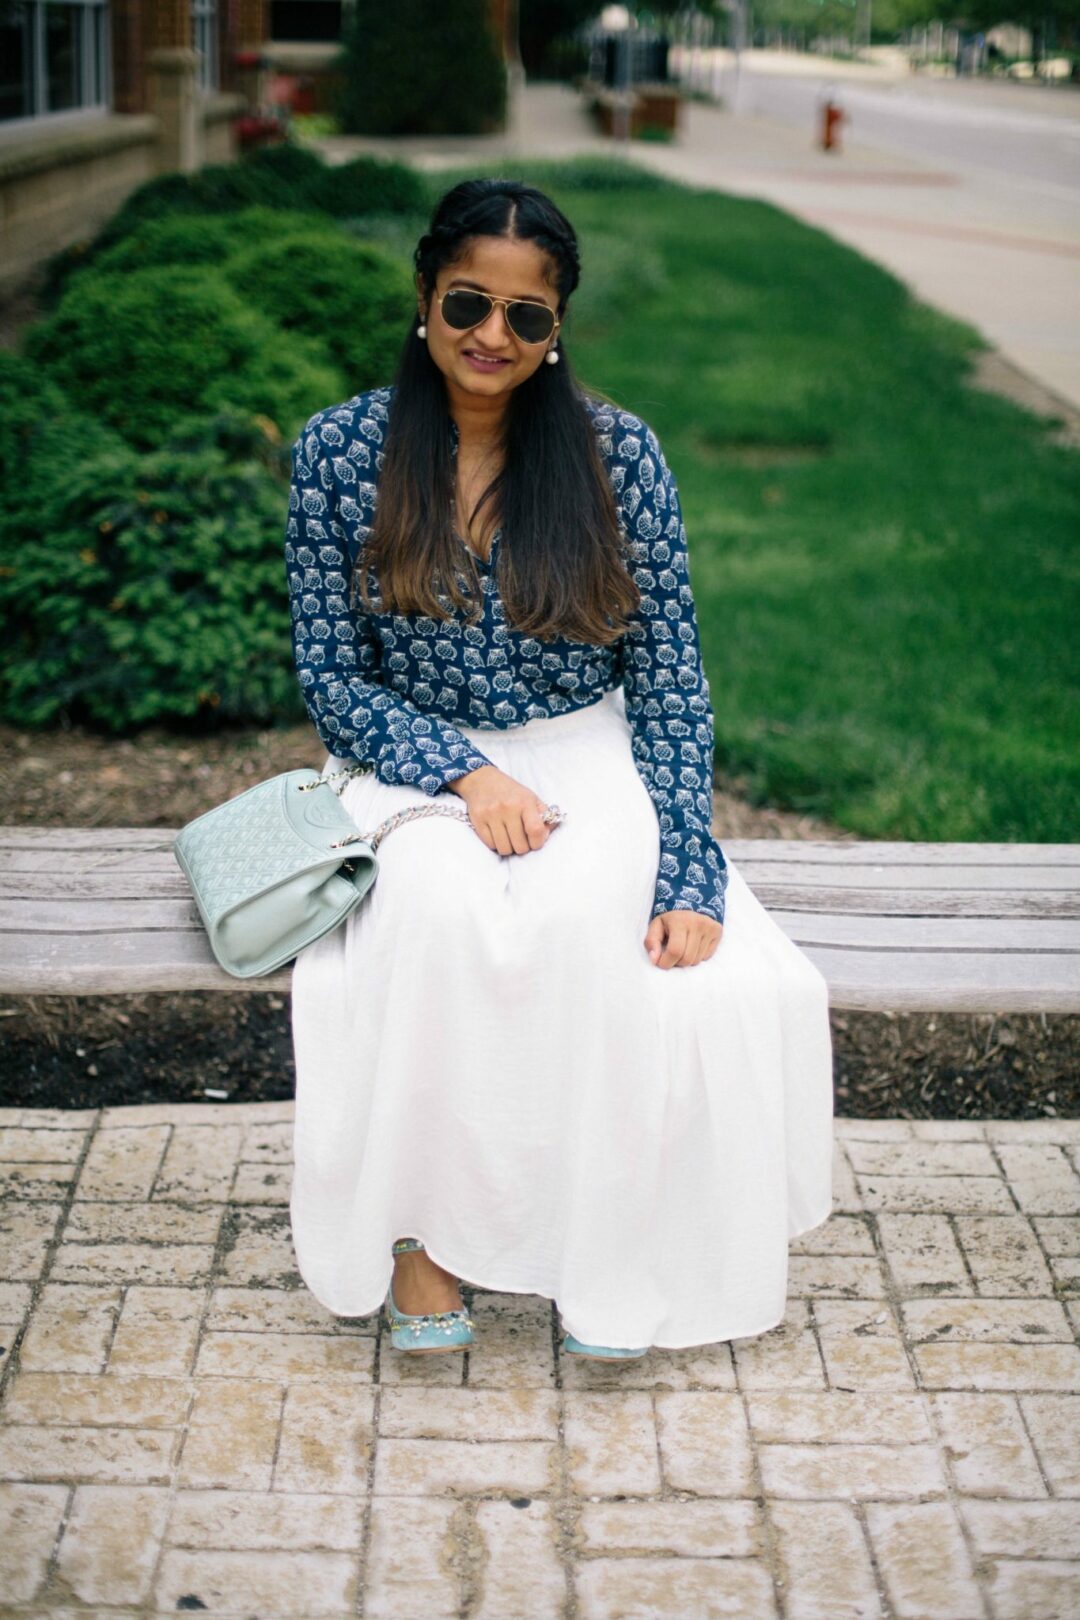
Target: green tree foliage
413 68
546 30
1048 20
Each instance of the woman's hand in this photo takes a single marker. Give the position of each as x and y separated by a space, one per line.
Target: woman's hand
682 938
505 814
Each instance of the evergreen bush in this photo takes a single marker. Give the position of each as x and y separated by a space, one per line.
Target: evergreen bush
203 238
151 588
367 185
219 188
587 174
416 69
284 177
353 298
38 428
294 166
147 349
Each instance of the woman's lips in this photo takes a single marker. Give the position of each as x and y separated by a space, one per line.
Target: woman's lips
482 363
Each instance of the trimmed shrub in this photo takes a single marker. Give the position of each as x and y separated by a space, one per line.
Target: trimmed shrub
295 167
151 588
572 174
203 238
417 69
38 428
364 185
353 298
149 348
367 185
220 188
283 177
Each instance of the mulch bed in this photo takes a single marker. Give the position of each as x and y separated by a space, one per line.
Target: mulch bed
104 1051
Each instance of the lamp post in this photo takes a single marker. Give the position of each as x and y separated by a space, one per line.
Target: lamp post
622 106
515 72
866 10
738 45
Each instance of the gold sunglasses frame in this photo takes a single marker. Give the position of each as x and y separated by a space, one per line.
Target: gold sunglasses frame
505 302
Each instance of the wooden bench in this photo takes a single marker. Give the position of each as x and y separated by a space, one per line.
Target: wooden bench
893 926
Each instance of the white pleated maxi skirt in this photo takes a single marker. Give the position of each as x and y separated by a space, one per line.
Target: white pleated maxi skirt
487 1060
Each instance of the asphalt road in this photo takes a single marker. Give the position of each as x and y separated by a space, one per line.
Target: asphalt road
1009 132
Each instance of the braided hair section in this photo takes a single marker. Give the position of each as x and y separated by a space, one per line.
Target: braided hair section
497 207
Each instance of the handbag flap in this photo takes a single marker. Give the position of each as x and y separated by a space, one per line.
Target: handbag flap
262 838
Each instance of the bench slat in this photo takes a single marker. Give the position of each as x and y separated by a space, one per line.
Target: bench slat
118 963
56 915
160 887
867 979
892 925
807 853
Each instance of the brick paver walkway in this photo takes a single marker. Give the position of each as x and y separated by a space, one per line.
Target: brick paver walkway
184 1428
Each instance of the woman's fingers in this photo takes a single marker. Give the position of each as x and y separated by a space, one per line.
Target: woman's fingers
504 844
507 815
678 942
682 938
518 826
517 833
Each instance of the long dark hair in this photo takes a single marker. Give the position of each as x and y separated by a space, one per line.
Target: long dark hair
561 564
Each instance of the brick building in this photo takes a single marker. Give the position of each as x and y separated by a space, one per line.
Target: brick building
97 96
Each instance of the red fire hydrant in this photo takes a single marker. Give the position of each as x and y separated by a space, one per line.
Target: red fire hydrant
832 117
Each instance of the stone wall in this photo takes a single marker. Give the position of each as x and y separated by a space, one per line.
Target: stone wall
60 181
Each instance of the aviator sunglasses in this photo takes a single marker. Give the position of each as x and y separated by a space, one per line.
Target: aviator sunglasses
462 309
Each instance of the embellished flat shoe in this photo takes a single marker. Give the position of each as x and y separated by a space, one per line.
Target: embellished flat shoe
429 1330
600 1352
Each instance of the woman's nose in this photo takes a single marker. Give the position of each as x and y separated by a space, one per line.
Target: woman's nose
494 332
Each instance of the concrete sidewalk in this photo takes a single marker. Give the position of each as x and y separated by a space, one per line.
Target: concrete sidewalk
1000 254
182 1427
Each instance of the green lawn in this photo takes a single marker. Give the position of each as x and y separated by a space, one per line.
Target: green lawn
883 558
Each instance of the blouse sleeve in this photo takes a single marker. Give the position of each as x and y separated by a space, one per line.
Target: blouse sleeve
337 653
667 694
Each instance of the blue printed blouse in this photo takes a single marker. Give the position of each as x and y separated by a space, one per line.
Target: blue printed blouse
390 689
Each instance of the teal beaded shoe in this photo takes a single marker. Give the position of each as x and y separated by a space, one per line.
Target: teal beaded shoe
431 1330
600 1352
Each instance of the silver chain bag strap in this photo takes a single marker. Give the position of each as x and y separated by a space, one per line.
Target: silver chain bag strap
267 868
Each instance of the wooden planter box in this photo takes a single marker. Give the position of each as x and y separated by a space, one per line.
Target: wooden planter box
652 106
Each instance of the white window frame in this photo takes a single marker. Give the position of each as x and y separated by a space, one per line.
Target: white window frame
92 75
204 39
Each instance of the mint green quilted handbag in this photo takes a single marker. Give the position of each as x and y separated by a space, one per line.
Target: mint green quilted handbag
279 865
268 871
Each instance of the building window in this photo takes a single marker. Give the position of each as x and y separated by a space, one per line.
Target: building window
54 58
204 37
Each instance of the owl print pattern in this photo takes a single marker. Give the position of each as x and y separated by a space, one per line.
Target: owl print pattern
390 689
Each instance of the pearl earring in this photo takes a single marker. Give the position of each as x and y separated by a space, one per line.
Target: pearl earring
552 357
421 330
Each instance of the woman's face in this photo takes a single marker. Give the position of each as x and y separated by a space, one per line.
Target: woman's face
490 359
